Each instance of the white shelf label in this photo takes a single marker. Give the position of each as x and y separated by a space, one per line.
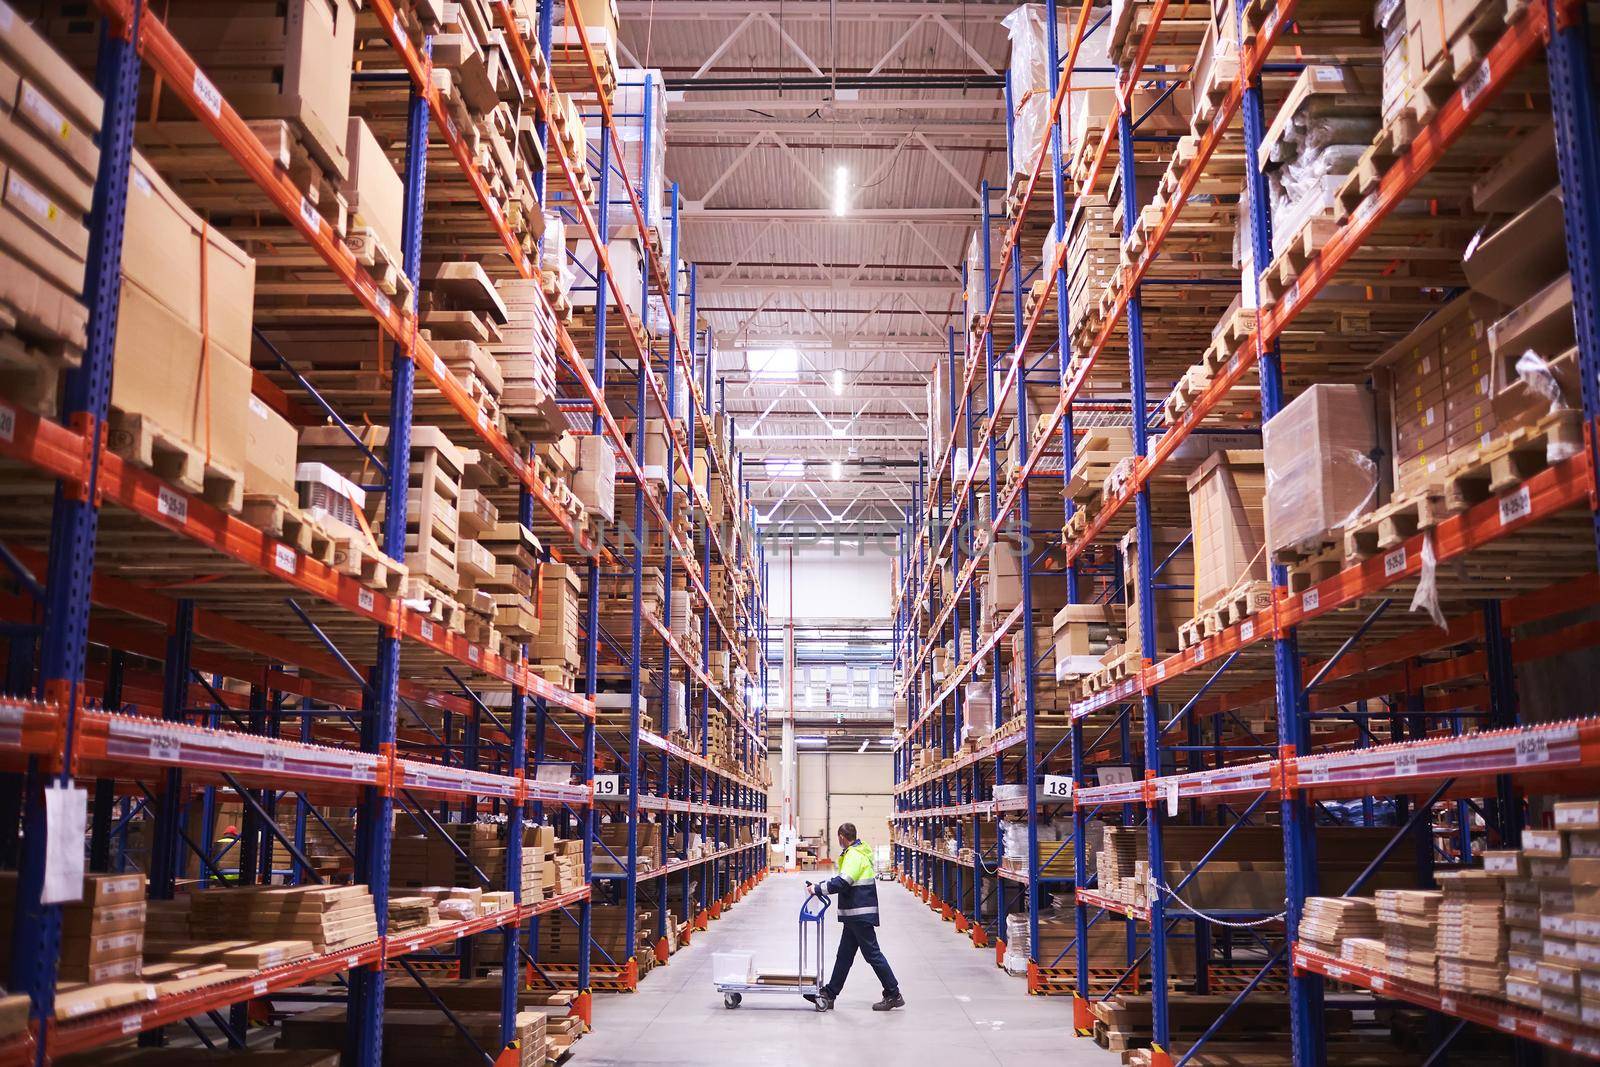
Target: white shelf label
1475 84
1405 763
132 1024
426 629
365 600
1311 600
171 504
607 785
309 213
1247 630
271 760
398 27
1056 787
472 653
207 93
1516 505
283 557
259 989
1394 562
1161 669
1199 653
8 423
168 749
1171 788
1532 748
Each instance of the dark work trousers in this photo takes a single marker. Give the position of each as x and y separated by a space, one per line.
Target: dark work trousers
865 937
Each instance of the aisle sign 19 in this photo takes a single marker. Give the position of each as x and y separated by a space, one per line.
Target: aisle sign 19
607 785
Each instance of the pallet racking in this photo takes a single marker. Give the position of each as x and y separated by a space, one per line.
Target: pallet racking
337 719
1326 652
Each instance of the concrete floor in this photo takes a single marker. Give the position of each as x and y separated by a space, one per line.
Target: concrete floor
960 1008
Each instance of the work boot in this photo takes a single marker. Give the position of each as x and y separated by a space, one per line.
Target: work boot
889 1002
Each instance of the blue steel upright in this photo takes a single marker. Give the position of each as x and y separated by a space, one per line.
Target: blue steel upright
365 1034
74 522
1294 726
1146 594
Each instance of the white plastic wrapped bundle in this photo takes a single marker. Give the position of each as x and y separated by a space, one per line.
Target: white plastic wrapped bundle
980 702
1029 73
1015 960
1014 841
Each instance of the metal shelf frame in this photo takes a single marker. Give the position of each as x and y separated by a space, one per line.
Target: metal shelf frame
61 739
1198 753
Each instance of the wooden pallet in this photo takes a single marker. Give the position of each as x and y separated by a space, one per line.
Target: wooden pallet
387 271
142 442
425 598
1389 526
289 524
30 376
557 674
1506 462
355 555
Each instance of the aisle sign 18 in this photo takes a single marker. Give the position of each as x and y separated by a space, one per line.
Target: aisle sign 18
1056 787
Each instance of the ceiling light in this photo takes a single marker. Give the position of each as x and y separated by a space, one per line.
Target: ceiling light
841 190
811 740
837 470
838 381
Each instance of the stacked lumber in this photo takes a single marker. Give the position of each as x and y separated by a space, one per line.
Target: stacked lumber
327 918
1326 923
411 913
1472 937
1410 921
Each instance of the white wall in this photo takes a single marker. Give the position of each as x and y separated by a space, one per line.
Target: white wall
829 587
836 787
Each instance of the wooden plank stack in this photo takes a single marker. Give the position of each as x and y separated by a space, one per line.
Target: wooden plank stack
329 918
1410 921
1326 923
1472 938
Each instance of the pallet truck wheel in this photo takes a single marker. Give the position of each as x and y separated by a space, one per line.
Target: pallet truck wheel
731 1000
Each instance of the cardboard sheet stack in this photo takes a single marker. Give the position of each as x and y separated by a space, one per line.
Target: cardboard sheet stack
1326 923
1410 921
50 117
326 917
411 913
102 934
1472 935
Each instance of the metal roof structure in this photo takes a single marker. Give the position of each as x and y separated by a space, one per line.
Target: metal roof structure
768 103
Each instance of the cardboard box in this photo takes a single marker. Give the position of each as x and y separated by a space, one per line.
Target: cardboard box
1523 255
1320 473
1226 496
271 444
375 192
161 253
288 59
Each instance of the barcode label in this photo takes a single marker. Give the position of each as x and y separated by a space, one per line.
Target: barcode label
8 423
1405 763
427 630
207 93
383 305
259 989
472 653
1199 653
272 760
167 749
309 213
1247 630
133 1024
1161 670
284 559
1312 600
1475 84
365 600
172 505
1394 562
1514 506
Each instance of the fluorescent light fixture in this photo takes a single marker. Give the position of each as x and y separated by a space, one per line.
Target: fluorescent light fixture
885 740
841 190
785 468
838 380
811 741
837 469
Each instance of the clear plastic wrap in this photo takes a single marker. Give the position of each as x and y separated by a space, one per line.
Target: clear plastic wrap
1029 74
1535 372
639 125
1426 596
1319 468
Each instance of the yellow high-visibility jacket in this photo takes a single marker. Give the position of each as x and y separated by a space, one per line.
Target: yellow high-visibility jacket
856 885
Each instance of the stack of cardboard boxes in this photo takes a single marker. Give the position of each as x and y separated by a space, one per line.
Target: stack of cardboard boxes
102 933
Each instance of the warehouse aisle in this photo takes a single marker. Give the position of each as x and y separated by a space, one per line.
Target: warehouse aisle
960 1007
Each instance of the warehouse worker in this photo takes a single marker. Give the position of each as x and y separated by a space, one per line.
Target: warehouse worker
856 886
